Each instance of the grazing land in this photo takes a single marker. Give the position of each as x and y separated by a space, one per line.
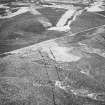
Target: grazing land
51 67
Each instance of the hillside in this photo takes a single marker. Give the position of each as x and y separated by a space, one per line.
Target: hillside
52 53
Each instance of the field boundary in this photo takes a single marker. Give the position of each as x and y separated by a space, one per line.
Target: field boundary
100 14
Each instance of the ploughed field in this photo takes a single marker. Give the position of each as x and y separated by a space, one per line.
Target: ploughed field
51 67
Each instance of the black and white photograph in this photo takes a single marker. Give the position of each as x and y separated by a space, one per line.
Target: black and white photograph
52 52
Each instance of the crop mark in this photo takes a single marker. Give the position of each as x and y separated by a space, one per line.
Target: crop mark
55 63
53 88
45 64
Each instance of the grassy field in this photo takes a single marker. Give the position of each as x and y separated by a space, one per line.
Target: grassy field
24 30
28 76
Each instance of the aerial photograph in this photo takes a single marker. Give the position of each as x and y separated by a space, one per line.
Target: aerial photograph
52 52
